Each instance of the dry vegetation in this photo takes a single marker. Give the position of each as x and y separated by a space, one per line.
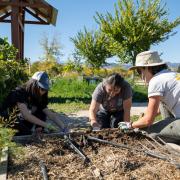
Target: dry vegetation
106 162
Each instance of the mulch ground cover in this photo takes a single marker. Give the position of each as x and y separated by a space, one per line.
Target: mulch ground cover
105 161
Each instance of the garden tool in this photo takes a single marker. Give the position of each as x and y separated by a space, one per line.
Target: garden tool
74 147
43 170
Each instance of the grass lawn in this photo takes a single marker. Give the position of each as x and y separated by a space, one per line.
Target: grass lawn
135 118
68 108
72 95
68 96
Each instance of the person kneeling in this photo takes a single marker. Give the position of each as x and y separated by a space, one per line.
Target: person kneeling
111 103
31 100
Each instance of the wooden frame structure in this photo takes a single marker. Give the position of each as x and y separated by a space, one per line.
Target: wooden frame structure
14 12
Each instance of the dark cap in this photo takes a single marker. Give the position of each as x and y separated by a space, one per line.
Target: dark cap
42 79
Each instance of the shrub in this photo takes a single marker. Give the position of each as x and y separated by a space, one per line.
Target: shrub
6 132
52 68
11 74
7 51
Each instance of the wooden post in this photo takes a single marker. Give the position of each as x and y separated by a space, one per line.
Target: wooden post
17 29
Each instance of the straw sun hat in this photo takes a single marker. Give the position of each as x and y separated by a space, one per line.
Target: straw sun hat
147 59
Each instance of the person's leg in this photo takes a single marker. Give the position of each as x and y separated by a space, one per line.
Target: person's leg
23 127
116 118
103 118
42 116
168 128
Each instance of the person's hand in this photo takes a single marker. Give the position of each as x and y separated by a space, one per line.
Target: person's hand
51 127
95 125
125 125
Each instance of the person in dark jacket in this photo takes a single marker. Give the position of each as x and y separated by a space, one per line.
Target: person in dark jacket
31 100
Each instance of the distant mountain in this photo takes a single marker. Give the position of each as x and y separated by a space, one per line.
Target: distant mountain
127 66
173 65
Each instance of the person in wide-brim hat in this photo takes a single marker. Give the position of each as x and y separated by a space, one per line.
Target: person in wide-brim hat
163 95
147 59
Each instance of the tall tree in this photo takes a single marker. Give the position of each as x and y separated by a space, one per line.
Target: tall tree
52 49
135 27
91 46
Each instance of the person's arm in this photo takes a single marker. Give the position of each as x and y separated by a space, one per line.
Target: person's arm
28 116
150 114
54 117
94 107
127 107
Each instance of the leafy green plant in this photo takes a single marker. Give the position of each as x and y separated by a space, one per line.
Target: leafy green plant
7 51
11 74
135 26
6 132
91 46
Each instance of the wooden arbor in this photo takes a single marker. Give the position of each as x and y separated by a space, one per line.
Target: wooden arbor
14 12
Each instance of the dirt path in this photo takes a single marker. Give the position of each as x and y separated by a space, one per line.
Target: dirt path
80 119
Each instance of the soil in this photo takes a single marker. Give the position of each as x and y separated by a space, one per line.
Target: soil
106 161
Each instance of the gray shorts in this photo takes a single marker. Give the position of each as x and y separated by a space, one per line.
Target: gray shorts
168 129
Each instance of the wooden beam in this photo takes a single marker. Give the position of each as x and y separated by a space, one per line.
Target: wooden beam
2 7
17 29
26 22
5 15
24 4
35 15
42 14
36 22
21 20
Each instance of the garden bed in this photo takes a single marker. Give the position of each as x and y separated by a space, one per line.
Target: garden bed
130 160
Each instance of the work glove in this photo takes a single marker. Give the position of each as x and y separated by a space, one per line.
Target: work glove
51 127
125 125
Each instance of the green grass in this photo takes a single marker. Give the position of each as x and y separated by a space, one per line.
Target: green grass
72 89
67 108
72 95
140 93
136 117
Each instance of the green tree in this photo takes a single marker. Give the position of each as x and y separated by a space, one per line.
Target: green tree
7 51
135 27
91 46
52 49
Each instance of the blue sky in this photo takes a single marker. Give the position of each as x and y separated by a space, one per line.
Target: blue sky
73 15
